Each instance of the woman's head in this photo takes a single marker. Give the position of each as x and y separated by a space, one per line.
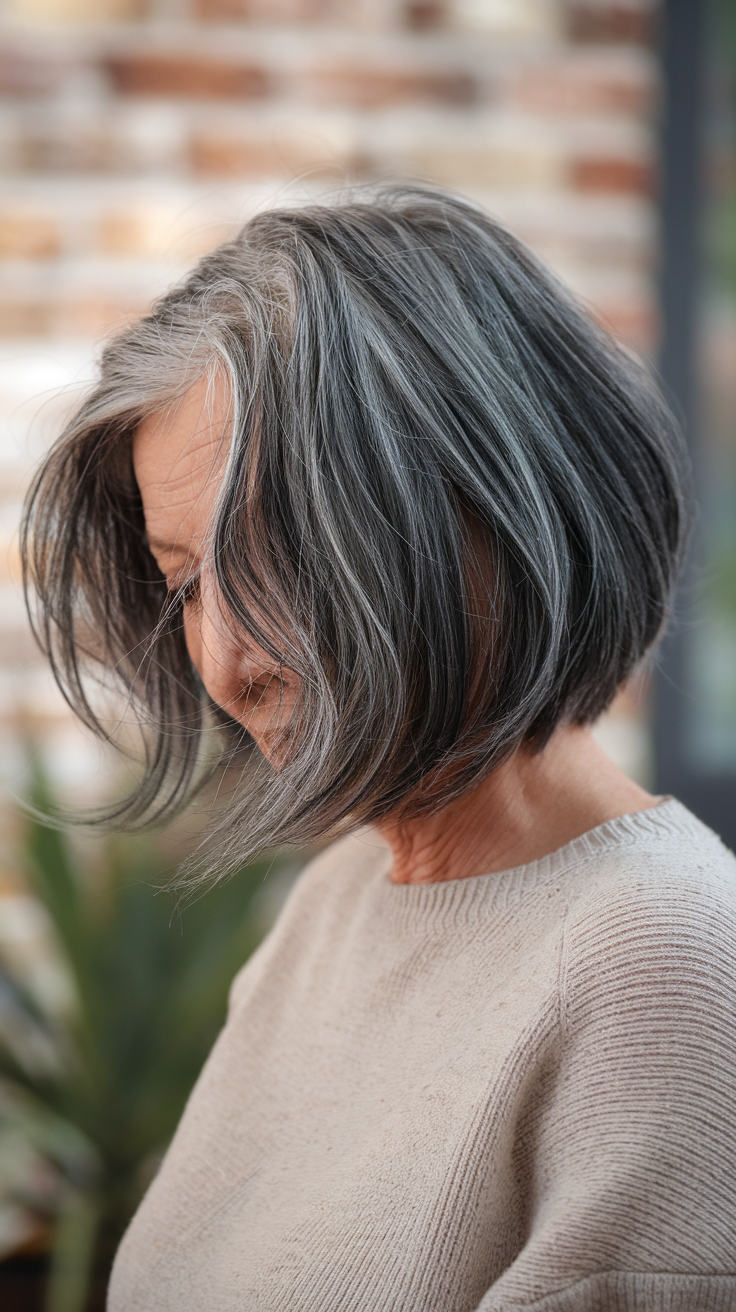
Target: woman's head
372 481
179 463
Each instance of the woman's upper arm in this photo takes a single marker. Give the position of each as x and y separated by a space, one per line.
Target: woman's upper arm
633 1198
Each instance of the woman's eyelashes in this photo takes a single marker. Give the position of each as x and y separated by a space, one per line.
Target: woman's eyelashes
185 591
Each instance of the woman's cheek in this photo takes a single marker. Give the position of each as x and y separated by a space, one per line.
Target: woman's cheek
262 706
213 662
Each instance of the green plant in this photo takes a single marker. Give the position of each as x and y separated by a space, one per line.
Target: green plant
101 1082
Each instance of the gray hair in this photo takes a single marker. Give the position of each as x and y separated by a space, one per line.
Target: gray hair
453 507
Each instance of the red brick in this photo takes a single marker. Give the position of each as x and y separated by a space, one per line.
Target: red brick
616 174
508 165
145 233
425 15
127 233
364 87
80 11
583 86
201 78
25 318
28 236
213 156
273 12
217 154
94 317
85 315
22 74
203 238
612 21
78 148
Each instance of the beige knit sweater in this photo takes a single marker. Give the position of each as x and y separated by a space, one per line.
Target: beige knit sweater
511 1091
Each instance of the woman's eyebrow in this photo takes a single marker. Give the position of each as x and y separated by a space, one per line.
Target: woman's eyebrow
176 548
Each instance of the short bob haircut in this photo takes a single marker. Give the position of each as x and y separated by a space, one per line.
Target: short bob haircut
452 506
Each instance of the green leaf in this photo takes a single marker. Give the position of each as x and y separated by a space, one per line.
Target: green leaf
151 975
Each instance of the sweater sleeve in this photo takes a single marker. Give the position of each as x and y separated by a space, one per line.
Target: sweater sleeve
632 1137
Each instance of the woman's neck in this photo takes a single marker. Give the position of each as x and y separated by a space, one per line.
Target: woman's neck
527 808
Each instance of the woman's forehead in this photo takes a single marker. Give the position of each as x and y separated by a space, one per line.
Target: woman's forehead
179 456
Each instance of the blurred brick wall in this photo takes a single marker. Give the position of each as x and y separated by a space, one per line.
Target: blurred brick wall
136 134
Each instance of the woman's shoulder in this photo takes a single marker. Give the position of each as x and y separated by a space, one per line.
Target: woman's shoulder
655 917
636 1127
663 859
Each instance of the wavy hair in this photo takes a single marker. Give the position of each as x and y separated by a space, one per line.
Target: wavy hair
452 505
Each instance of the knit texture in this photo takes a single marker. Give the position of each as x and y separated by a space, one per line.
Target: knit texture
510 1091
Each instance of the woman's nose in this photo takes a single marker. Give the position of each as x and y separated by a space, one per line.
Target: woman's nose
238 675
213 657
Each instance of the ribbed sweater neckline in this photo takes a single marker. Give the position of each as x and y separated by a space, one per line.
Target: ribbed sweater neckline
460 899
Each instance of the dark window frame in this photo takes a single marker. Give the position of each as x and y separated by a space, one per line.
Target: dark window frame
683 45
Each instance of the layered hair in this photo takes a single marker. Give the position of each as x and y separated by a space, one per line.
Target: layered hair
452 505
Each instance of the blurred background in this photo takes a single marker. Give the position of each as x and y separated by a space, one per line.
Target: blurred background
137 134
134 136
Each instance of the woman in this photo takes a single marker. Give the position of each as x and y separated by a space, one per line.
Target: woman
372 492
